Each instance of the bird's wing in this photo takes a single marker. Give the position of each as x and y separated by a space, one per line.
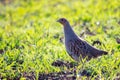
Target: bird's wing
77 47
81 48
94 52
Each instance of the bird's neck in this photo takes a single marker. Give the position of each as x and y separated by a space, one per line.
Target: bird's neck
68 32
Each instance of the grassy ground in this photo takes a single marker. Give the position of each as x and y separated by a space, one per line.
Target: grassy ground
30 35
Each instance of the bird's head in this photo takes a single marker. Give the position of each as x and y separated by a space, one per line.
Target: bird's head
63 21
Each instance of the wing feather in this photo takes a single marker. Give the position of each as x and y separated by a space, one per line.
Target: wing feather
77 47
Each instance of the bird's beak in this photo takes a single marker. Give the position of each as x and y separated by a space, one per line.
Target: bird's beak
58 20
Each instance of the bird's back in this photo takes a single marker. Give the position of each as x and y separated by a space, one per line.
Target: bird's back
94 52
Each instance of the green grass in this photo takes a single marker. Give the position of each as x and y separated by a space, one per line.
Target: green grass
27 30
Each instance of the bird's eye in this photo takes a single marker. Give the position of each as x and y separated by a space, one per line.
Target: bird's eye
62 19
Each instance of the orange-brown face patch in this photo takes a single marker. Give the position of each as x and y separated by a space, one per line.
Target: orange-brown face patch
62 21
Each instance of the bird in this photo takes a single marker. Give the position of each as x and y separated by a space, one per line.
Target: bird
76 47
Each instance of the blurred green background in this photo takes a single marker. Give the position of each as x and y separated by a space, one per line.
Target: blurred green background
30 36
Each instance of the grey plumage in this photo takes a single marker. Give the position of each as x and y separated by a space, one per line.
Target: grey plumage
76 47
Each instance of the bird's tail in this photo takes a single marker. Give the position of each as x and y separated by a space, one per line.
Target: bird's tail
100 53
103 52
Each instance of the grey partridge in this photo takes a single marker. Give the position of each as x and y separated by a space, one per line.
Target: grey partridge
76 47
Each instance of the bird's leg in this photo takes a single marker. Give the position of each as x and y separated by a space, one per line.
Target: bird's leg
83 61
74 71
